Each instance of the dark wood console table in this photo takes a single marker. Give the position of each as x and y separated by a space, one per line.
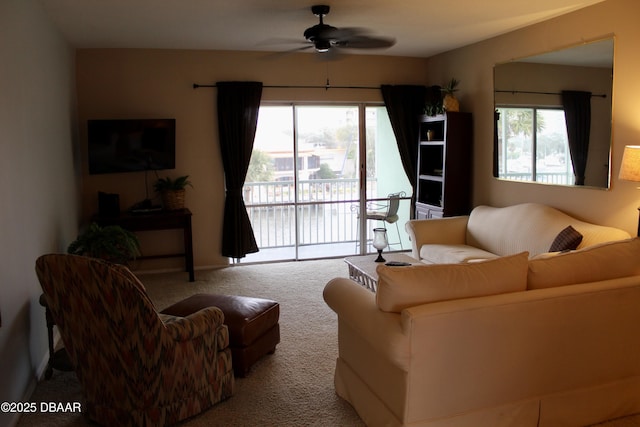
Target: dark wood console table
161 220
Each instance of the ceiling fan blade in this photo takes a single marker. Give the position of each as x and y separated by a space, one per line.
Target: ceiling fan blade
366 42
336 34
282 41
349 32
277 55
358 38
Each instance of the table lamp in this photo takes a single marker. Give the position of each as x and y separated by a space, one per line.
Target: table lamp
630 167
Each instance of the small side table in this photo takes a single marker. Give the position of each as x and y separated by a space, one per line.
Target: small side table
57 359
362 268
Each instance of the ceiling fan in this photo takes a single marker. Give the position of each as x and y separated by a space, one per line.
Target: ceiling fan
324 37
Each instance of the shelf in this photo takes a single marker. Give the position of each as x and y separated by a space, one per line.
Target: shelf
428 119
431 177
433 129
433 204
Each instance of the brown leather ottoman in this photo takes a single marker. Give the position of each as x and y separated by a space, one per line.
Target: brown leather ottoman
252 322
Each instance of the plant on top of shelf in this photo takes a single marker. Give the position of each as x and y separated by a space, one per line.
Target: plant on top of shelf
111 243
433 102
449 101
172 191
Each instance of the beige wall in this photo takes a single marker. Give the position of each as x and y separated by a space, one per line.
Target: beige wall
114 83
473 65
39 185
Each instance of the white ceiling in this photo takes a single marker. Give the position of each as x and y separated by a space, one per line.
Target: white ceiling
421 28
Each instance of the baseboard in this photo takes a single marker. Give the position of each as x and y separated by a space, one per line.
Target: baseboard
178 269
31 386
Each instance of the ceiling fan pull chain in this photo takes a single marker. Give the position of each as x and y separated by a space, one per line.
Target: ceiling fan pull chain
326 87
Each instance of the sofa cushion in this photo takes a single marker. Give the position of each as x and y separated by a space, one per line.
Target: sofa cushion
600 262
452 254
529 227
567 240
403 287
513 229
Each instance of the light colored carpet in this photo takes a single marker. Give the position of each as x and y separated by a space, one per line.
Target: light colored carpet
293 387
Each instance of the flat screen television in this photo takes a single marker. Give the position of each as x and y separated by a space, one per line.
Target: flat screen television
131 145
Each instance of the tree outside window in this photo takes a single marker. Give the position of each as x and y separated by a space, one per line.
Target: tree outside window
533 145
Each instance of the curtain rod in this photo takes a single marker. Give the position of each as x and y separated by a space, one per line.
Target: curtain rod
327 86
513 92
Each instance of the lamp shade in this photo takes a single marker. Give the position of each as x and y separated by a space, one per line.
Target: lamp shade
630 166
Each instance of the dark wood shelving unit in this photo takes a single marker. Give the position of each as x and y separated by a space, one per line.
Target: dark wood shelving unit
444 165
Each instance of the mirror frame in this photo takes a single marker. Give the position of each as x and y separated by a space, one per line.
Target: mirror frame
534 90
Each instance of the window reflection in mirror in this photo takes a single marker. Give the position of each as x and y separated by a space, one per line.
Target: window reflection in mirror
531 141
534 145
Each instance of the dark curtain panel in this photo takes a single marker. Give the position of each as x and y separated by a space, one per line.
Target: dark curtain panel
496 145
577 111
405 104
238 104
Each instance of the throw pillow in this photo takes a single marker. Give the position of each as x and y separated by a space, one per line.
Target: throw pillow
567 240
605 261
403 287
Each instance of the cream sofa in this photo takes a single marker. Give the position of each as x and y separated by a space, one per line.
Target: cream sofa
489 232
511 341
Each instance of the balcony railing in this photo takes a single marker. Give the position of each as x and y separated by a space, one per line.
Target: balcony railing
325 212
560 178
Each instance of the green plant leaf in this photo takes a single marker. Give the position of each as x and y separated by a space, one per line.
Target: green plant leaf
451 87
112 243
163 184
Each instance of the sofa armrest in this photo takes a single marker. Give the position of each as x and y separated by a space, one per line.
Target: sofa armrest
444 231
357 312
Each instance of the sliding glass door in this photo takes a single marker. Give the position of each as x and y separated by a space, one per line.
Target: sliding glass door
313 171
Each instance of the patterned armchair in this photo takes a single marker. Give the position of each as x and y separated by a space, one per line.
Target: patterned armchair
136 367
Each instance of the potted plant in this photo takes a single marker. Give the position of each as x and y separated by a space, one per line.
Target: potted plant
433 102
449 101
112 243
172 191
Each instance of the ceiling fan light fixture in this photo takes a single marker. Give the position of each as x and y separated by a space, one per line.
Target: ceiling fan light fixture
322 45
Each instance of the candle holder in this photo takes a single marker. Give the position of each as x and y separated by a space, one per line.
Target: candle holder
380 242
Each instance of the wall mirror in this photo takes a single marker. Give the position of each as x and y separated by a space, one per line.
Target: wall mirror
553 116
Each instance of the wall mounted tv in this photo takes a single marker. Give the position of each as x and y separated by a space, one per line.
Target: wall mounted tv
132 145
